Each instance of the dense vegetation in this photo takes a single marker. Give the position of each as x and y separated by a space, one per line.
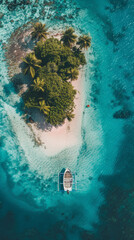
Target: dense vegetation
52 66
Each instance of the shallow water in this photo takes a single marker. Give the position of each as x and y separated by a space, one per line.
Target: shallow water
32 208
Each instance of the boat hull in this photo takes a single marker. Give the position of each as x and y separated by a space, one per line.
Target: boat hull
67 180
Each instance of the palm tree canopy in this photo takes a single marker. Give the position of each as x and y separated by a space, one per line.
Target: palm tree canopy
31 62
40 31
31 103
32 71
43 107
38 84
73 73
69 37
76 51
84 41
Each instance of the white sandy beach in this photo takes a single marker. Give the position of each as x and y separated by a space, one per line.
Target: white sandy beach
69 134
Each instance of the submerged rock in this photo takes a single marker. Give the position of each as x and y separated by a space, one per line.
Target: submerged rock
1 15
1 25
123 114
11 6
35 5
28 2
48 3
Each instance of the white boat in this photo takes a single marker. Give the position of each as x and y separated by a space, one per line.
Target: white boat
67 180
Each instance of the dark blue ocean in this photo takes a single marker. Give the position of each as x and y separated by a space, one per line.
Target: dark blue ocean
31 208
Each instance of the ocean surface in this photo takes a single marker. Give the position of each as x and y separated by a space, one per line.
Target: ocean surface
31 208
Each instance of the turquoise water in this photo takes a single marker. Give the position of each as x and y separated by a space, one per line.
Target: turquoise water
31 207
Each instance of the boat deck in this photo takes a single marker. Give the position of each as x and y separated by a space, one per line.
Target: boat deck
68 175
68 180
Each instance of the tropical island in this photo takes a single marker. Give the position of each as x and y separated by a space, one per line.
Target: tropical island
53 65
53 91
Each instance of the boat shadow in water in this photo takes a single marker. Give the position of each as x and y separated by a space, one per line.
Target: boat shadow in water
61 175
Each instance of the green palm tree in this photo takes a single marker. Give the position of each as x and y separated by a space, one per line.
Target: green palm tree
77 51
31 63
84 41
69 37
43 107
31 103
38 84
73 73
40 31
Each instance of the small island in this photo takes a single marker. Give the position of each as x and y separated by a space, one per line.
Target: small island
52 67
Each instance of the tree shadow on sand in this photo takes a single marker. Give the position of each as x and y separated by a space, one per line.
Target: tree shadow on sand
39 118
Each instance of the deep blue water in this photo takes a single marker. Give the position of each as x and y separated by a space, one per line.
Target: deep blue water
30 206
